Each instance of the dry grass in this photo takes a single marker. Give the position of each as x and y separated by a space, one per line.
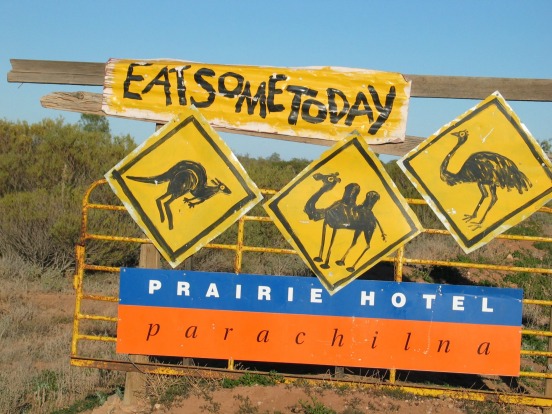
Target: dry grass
35 335
36 307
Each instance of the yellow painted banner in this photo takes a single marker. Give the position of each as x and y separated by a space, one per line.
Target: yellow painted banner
323 103
183 186
343 214
482 173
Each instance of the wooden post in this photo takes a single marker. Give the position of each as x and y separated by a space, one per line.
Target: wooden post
135 382
548 382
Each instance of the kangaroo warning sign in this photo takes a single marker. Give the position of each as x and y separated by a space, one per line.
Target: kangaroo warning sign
183 186
320 103
482 173
343 214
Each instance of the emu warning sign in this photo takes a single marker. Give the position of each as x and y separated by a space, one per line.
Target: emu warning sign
482 173
412 326
320 103
183 186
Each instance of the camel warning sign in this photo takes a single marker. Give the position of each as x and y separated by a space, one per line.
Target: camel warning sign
183 186
482 173
343 214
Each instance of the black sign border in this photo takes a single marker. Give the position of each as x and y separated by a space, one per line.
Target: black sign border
274 207
470 242
117 176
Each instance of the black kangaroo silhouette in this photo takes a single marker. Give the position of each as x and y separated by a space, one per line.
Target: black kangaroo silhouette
486 169
183 177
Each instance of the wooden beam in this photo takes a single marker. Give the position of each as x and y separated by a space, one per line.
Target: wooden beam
91 103
423 86
463 87
84 102
56 72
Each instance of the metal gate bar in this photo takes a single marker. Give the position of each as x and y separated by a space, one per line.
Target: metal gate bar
240 248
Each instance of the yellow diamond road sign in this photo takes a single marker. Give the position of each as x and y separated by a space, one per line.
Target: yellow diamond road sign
343 214
183 186
482 173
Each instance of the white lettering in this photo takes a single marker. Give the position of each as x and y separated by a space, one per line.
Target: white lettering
429 300
367 298
485 306
238 291
263 293
458 303
212 291
316 296
153 286
290 294
183 287
398 300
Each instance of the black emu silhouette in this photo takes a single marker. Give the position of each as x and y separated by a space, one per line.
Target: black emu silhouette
184 177
488 170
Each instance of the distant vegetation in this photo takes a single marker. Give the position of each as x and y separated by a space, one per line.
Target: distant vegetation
44 171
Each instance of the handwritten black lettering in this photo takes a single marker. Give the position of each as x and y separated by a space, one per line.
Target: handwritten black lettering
233 92
384 111
260 98
131 77
335 115
199 78
180 84
272 90
163 73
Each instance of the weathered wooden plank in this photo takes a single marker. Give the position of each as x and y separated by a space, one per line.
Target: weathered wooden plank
423 86
91 103
56 72
84 102
460 87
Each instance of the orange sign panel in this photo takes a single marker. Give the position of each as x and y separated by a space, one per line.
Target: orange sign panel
482 173
343 214
183 186
323 103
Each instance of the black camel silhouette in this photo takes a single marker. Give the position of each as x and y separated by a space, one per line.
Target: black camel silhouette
364 221
486 169
183 177
343 214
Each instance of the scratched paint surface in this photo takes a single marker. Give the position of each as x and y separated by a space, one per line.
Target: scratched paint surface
482 173
183 186
343 214
316 102
415 326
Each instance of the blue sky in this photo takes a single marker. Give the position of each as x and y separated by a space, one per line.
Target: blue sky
464 38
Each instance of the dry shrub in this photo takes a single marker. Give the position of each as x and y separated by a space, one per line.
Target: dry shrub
432 247
35 338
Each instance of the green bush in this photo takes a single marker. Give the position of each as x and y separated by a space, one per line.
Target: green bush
45 169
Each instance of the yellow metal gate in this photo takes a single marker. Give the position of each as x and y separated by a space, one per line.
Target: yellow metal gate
96 286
